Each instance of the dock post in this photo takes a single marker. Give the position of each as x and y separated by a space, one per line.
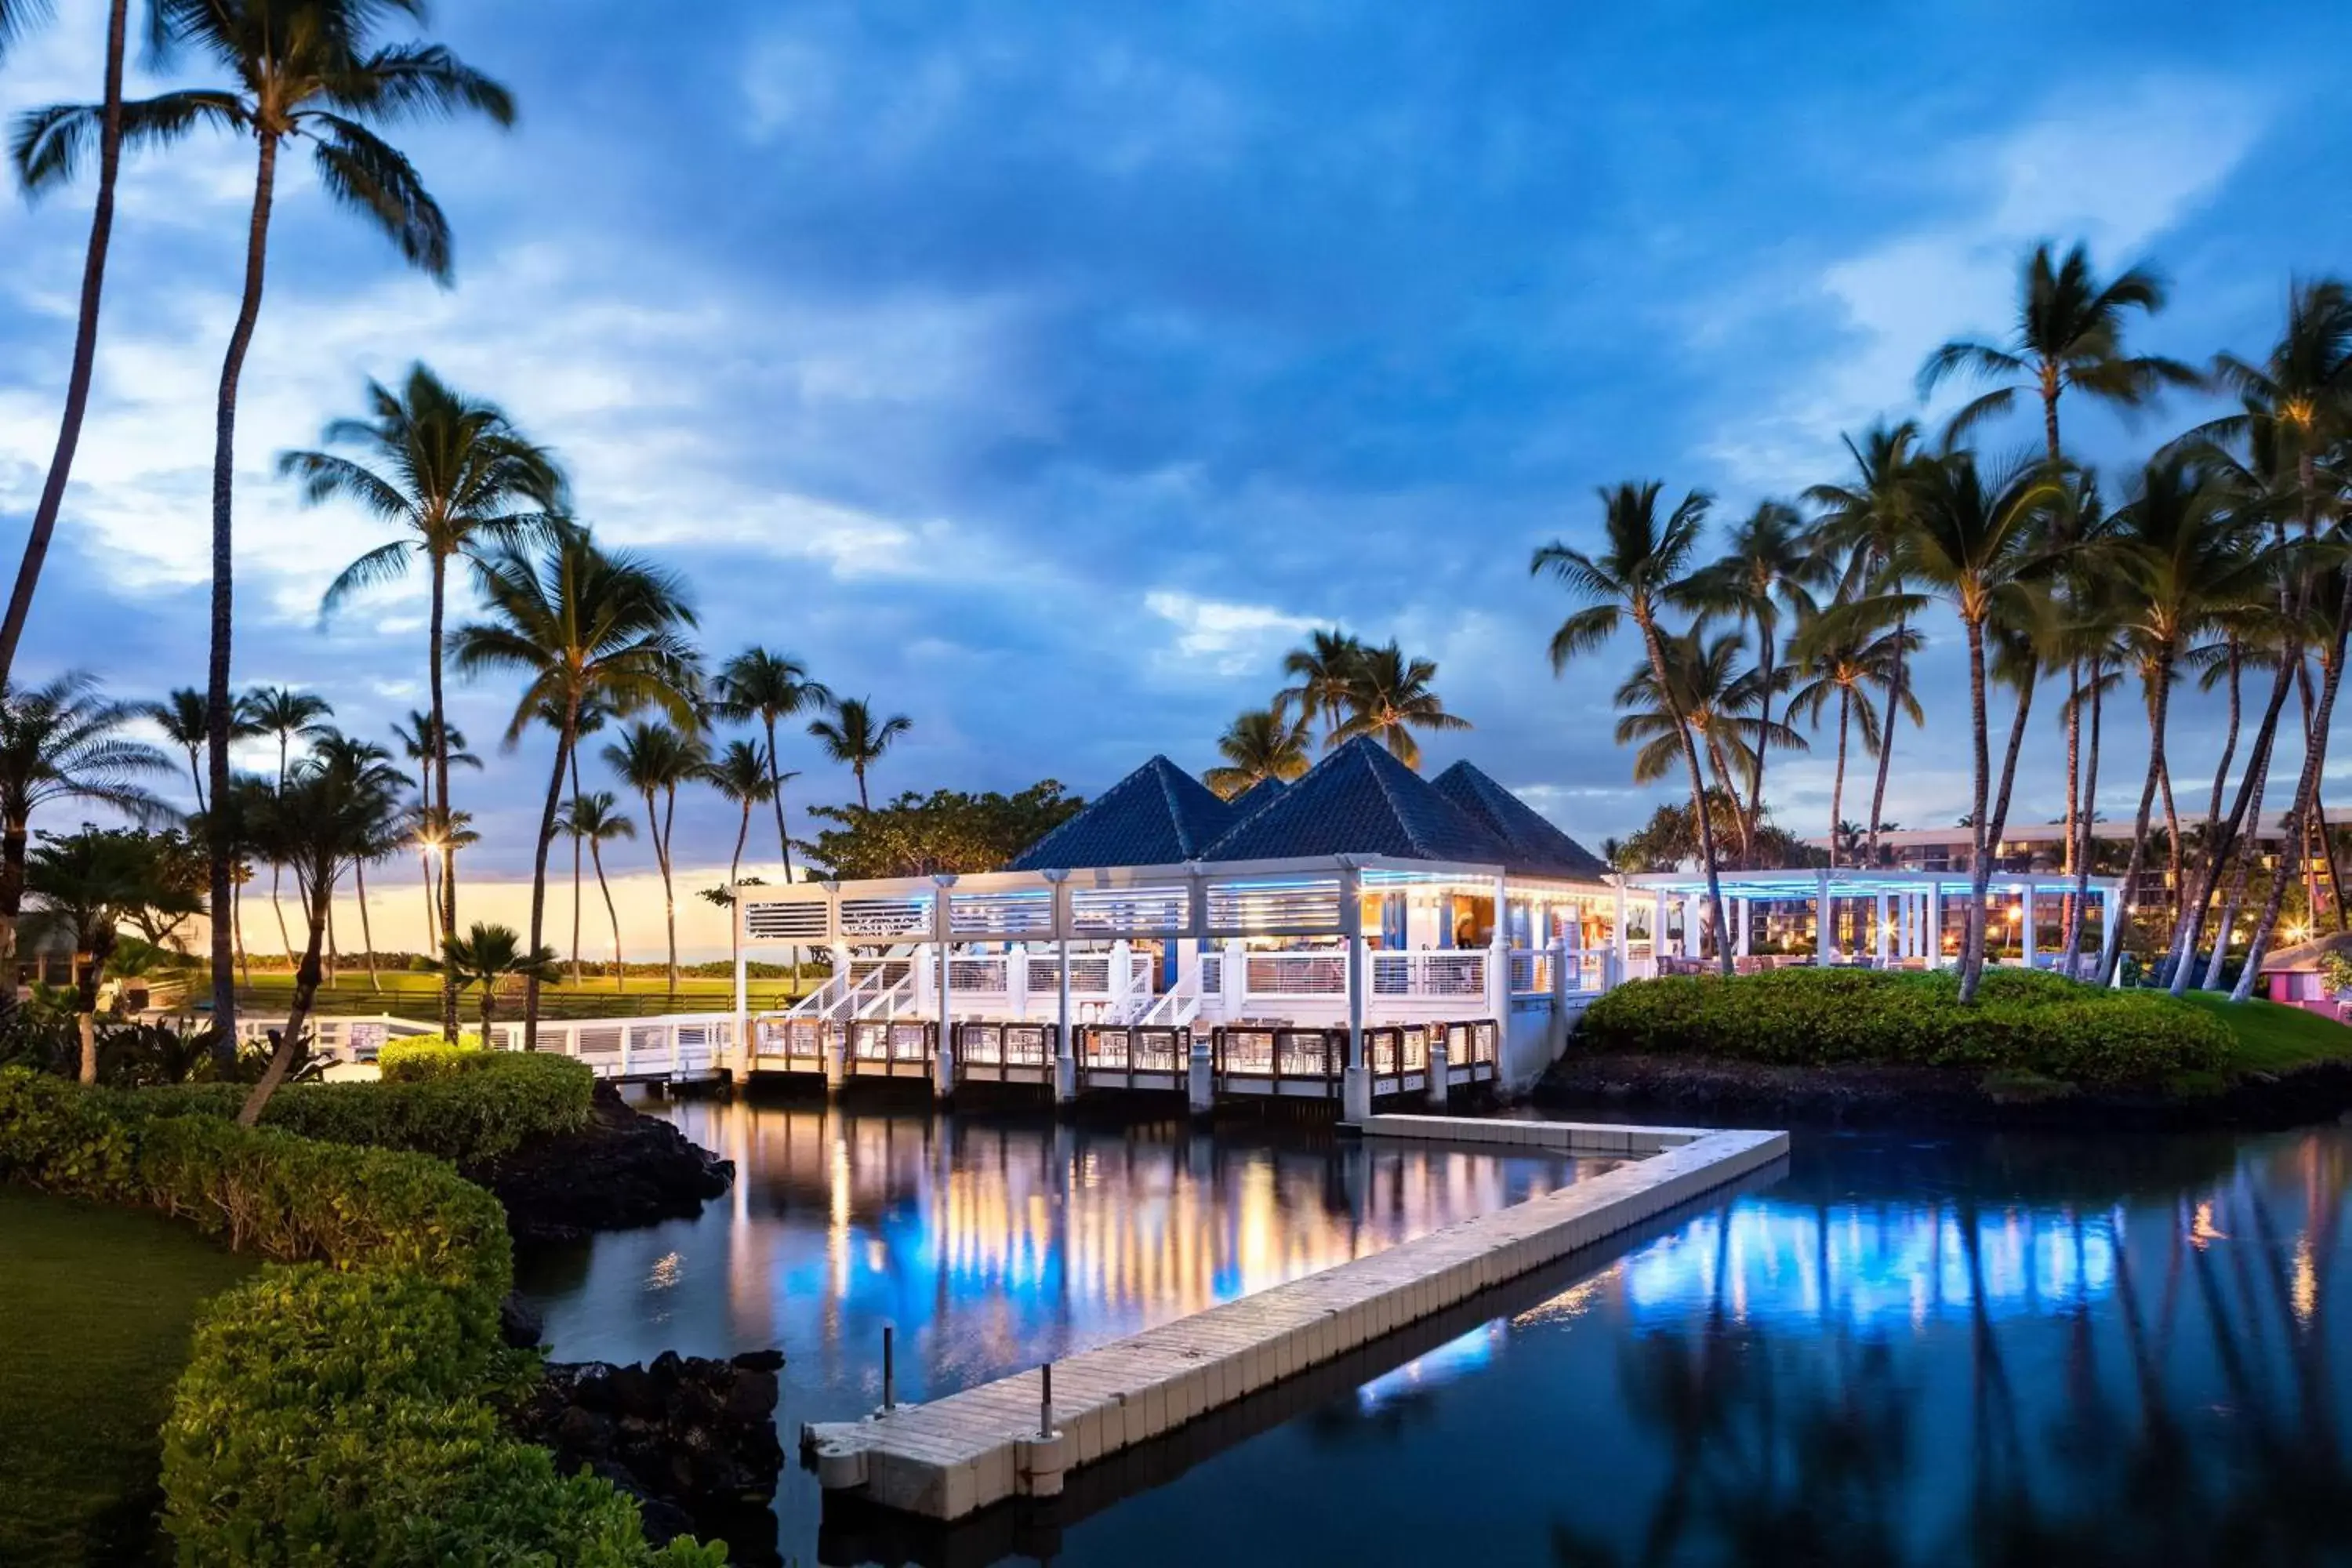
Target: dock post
1200 1079
1440 1066
1356 1075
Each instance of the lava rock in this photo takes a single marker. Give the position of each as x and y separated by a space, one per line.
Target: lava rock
624 1168
520 1323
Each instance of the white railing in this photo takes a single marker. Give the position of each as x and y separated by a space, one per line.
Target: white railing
1441 974
1296 974
345 1038
984 976
677 1045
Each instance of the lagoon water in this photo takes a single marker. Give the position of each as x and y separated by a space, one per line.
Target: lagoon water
1992 1349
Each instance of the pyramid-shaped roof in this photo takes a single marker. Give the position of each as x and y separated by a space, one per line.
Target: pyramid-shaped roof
1359 800
1535 843
1257 797
1157 815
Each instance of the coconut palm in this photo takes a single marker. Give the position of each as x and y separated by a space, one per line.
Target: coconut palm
1641 571
1389 697
768 687
182 718
1866 523
744 773
1850 652
1263 743
1715 696
91 884
334 809
594 819
306 71
489 955
64 740
1977 543
652 760
372 765
48 147
856 740
1768 573
1321 673
282 712
588 629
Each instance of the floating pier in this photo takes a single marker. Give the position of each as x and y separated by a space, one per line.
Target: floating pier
955 1455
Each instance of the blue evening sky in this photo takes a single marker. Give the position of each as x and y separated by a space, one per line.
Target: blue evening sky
1044 370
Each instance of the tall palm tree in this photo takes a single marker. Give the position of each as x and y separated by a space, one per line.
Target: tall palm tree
1712 694
282 712
594 819
1866 521
458 479
1263 743
333 809
1321 671
182 718
308 70
652 760
489 955
768 687
1770 571
1850 651
47 147
1389 697
1977 542
89 885
743 773
1641 571
371 764
586 628
856 740
64 740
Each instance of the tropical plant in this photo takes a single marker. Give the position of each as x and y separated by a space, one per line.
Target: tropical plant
654 759
854 737
592 819
372 765
1321 671
182 718
1389 697
1771 570
946 831
284 712
767 686
1263 743
1711 695
89 885
742 773
1641 571
489 955
1848 651
64 740
587 629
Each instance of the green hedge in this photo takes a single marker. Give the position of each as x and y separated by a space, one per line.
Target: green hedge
413 1058
2021 1020
492 1107
340 1406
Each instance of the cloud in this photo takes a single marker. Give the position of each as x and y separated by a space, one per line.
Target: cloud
1223 638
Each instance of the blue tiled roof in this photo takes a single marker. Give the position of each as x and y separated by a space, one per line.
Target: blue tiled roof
1535 843
1157 815
1359 800
1257 798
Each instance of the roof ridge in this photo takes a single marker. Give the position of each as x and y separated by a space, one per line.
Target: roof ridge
1413 834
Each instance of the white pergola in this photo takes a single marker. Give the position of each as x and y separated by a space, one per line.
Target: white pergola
1907 908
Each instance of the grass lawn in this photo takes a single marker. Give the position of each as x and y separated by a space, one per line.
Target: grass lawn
96 1307
409 995
2274 1038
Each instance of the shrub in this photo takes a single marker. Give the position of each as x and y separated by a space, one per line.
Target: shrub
493 1105
415 1057
2022 1021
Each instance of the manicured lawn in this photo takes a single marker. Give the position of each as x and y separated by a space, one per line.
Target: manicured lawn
2272 1038
409 995
96 1307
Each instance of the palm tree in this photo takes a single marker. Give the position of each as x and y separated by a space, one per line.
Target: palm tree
39 141
652 760
1642 570
335 808
1976 543
854 740
1389 697
1710 696
1263 743
744 772
306 70
63 740
1322 671
282 712
1850 650
1867 520
1771 570
588 629
769 687
592 819
89 885
372 765
487 955
182 718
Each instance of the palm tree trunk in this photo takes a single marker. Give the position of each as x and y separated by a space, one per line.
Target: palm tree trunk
784 838
1754 816
2240 833
85 352
596 853
217 709
2078 844
432 908
306 989
2172 832
85 1026
237 931
539 867
2074 791
440 778
331 974
670 895
1698 798
1981 858
196 777
866 805
2204 876
367 932
2159 704
2314 757
575 871
1886 733
1837 779
735 874
2327 857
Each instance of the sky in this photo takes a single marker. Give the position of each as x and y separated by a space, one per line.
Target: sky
1044 372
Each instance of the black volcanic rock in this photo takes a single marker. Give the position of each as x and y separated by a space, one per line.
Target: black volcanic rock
623 1169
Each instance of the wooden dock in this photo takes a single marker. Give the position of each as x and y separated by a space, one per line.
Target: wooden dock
958 1454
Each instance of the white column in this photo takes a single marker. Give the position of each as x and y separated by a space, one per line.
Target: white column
1498 965
1931 926
2025 925
2111 932
1690 925
743 1073
1821 918
1742 907
1066 1059
1883 937
1235 976
1355 1075
1624 939
1016 980
1657 929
